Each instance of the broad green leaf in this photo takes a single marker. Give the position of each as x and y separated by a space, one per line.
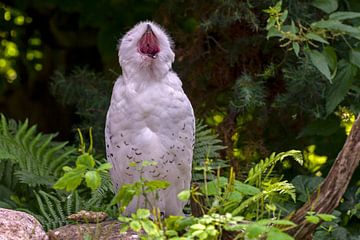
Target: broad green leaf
104 167
337 26
331 57
344 15
86 160
254 230
320 62
342 83
214 187
156 185
184 195
135 225
355 57
327 6
246 189
273 32
312 219
93 179
70 181
326 217
305 185
277 234
124 196
150 228
198 226
142 213
315 37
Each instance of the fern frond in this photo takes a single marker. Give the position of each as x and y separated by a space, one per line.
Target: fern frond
207 146
265 166
54 209
37 156
282 188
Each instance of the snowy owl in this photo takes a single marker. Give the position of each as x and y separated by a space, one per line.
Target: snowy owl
150 119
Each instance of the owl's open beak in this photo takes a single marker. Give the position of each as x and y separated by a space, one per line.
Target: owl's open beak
148 43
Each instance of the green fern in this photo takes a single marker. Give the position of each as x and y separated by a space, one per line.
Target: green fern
207 147
38 159
282 188
261 171
53 209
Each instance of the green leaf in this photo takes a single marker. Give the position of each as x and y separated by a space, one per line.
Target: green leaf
104 167
142 213
150 228
320 62
184 195
344 15
70 181
135 225
337 26
327 6
331 58
93 179
277 234
355 57
326 217
254 230
296 48
156 185
246 189
273 32
315 37
312 219
214 187
320 127
198 226
86 160
124 196
342 83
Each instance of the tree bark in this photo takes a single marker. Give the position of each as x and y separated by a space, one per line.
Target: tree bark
330 192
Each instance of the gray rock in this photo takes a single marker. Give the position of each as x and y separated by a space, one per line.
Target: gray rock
16 225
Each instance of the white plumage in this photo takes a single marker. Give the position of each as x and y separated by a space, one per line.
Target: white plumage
150 118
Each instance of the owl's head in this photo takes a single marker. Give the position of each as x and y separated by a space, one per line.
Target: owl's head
146 48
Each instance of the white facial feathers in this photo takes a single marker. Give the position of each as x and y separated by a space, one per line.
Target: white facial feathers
132 59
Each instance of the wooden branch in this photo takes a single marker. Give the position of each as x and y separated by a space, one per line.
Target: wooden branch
328 196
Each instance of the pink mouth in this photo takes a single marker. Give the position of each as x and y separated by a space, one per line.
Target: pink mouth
148 44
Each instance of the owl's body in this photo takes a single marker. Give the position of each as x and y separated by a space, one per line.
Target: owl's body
150 119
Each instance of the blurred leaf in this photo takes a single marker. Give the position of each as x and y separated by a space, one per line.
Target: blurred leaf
184 195
355 57
85 160
142 213
316 37
344 15
342 83
305 185
277 234
319 61
320 127
327 6
93 179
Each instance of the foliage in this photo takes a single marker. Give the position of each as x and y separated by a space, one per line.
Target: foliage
78 88
206 156
85 169
30 164
35 158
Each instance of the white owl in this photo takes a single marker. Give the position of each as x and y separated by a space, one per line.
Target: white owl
150 118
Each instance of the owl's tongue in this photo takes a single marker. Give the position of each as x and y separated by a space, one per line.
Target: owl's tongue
148 43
